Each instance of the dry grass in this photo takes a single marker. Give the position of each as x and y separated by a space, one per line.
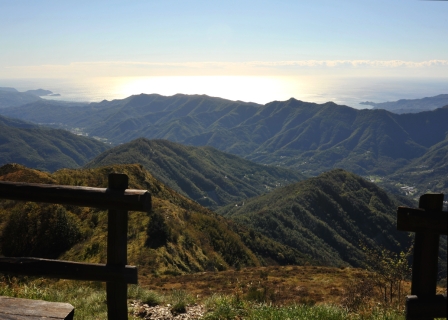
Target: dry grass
280 285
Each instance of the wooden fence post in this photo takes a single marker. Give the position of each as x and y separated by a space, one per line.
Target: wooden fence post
117 291
426 248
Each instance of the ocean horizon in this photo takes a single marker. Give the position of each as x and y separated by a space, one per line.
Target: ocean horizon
343 91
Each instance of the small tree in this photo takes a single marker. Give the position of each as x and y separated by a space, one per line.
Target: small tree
389 269
158 231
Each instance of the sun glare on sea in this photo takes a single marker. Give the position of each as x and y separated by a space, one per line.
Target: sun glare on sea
244 88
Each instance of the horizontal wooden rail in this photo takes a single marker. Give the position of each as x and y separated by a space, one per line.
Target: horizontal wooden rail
68 270
418 308
420 220
102 198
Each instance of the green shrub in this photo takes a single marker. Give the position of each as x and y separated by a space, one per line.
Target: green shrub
158 231
43 231
221 307
179 300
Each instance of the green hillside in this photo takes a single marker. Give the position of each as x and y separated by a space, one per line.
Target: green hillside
44 148
210 177
308 137
326 217
177 236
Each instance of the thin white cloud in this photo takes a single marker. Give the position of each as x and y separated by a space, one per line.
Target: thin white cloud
352 63
288 63
210 68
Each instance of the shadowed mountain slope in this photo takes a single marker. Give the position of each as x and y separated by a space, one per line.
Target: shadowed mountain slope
208 176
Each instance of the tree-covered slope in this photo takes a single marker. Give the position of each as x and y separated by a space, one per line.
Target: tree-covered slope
44 148
177 236
208 176
326 217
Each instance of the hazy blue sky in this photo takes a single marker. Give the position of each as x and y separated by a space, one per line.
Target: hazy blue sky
82 39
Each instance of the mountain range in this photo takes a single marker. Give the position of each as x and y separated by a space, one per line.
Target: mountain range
307 137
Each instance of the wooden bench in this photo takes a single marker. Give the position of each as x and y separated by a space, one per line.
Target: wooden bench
25 309
118 199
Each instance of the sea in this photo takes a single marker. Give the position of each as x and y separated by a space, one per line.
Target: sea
345 91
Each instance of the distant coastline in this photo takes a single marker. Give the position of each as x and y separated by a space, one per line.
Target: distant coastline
411 105
352 92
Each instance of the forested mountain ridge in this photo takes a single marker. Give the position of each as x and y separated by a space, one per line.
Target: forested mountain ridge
208 176
305 136
44 148
177 236
327 217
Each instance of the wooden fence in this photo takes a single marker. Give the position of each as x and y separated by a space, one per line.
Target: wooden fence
428 222
118 199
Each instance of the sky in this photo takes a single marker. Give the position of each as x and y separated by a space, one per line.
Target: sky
211 39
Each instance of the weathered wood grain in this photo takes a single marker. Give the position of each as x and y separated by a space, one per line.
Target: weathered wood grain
25 309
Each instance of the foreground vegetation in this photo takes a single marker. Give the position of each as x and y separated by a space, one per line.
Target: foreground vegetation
89 300
276 292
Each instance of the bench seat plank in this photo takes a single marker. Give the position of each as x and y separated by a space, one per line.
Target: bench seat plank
26 309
